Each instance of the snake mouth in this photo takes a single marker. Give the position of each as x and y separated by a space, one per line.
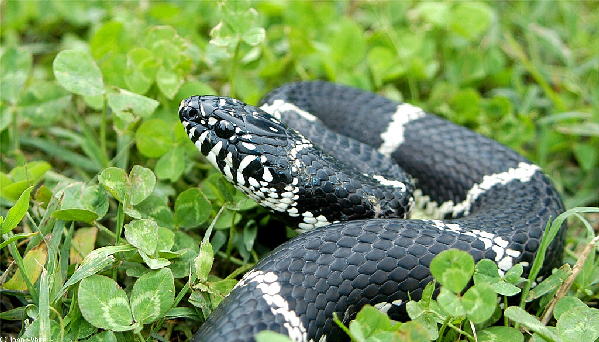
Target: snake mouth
207 124
190 110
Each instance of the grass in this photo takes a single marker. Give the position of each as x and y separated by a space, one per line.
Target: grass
106 190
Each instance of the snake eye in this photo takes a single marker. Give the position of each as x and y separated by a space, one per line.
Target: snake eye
224 129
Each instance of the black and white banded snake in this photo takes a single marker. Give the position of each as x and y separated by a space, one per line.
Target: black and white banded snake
483 198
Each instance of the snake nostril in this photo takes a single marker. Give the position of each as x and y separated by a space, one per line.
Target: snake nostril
192 114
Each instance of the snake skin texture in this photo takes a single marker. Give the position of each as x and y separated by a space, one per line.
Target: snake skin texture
482 198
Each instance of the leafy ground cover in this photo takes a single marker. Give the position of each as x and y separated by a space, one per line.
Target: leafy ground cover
113 227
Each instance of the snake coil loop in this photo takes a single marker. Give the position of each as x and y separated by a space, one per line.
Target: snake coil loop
343 188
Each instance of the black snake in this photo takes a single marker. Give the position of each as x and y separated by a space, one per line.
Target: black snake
483 198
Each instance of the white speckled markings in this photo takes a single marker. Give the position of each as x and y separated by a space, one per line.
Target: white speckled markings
268 283
523 173
396 184
383 307
504 256
394 135
279 106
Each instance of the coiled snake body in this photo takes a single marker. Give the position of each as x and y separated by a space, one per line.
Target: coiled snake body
483 198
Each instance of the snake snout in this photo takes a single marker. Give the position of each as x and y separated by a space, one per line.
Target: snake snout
189 109
183 110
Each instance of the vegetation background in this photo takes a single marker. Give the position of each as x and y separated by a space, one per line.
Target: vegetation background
115 200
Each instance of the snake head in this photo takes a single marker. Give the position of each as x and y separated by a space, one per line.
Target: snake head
241 140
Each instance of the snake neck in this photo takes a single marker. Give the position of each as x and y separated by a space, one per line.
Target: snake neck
282 170
328 191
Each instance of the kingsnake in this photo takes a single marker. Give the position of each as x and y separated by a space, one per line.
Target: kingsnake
483 198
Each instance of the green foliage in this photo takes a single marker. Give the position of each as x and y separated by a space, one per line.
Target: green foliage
22 177
81 203
107 304
191 208
16 66
453 269
90 140
16 213
77 72
271 336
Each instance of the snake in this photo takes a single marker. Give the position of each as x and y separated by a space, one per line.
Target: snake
346 168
